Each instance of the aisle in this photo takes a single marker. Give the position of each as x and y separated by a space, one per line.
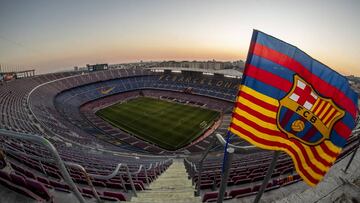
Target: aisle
171 187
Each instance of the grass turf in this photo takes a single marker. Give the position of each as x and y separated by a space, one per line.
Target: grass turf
166 124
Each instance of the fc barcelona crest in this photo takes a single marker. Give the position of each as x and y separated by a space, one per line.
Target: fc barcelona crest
306 116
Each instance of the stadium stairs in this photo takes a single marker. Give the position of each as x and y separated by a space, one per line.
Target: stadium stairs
172 186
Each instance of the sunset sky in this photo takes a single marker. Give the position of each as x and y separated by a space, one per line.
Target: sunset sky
56 35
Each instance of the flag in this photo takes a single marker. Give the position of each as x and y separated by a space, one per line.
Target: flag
290 102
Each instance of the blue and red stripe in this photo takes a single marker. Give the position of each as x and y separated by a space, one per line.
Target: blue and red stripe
268 78
315 67
272 67
329 83
264 88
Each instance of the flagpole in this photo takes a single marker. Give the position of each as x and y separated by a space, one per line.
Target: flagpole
225 168
212 144
268 176
226 146
227 163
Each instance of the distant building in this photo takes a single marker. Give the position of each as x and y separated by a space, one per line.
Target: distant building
209 65
97 67
212 65
239 64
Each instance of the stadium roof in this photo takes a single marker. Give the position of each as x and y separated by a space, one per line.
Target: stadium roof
231 72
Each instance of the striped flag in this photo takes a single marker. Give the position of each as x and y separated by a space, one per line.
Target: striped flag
290 102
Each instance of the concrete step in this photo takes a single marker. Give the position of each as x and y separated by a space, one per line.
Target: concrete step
183 200
169 192
171 187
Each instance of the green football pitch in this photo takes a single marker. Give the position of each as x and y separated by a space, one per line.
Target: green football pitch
166 124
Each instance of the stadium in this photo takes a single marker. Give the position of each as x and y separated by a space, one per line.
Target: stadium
162 101
140 134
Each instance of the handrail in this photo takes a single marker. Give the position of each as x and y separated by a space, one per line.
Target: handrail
145 171
146 176
111 175
192 165
203 157
238 149
149 166
131 180
193 170
187 161
162 166
220 139
82 169
114 173
139 170
101 177
156 165
44 142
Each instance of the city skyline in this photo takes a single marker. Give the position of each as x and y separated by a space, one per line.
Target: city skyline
53 36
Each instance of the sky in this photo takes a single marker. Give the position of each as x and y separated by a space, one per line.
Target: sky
51 35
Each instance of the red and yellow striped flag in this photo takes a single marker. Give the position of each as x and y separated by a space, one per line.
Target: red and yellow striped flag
290 102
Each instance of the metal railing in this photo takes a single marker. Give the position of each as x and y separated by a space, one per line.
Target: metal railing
238 149
56 159
83 170
45 143
232 149
218 139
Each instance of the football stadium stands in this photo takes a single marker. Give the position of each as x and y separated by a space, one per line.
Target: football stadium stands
108 163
